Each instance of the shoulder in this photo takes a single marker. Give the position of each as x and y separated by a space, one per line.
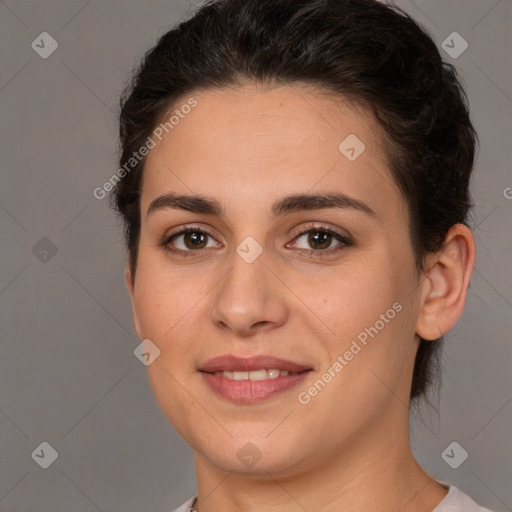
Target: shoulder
457 501
186 506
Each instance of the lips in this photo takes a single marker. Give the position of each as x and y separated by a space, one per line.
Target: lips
232 377
231 363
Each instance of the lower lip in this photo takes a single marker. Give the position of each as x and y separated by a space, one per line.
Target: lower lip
251 391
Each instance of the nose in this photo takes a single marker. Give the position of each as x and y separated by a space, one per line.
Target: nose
250 299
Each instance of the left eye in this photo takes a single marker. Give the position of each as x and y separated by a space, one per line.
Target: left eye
318 239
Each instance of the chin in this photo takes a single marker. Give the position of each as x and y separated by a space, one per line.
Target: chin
252 455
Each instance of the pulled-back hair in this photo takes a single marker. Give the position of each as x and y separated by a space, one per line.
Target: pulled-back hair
371 54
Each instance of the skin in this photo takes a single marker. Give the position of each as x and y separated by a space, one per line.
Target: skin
348 448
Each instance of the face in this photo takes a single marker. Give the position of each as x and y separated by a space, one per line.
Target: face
283 295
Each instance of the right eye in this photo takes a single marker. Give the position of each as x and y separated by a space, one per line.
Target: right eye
190 240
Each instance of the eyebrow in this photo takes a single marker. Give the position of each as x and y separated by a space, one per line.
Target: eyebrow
287 204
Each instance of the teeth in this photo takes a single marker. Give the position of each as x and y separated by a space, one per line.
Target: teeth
257 375
262 374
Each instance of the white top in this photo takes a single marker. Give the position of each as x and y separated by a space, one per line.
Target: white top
454 501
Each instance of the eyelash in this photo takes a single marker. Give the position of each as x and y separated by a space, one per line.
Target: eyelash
315 253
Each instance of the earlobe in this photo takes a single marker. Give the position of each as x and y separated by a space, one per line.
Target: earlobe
128 279
446 283
130 285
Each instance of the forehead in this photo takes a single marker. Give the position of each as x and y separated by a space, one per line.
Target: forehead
252 144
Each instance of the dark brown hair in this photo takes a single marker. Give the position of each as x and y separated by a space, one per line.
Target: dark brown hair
370 53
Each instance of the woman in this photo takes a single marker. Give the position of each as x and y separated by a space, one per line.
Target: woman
294 187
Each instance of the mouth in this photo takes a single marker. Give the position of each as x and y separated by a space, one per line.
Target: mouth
253 379
262 374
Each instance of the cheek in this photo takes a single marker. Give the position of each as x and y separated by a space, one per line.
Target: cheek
164 299
365 365
171 308
371 317
349 299
167 310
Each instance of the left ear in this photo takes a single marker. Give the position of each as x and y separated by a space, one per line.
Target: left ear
445 283
130 285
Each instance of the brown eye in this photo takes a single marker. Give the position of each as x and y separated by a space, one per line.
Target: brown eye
195 239
319 239
191 240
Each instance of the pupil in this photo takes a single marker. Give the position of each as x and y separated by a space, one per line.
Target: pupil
319 239
195 240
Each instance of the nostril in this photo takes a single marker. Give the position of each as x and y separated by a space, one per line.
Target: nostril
261 323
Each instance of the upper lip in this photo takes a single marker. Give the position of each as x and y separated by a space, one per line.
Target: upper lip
233 364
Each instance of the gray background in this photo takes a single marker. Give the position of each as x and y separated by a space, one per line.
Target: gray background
68 375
